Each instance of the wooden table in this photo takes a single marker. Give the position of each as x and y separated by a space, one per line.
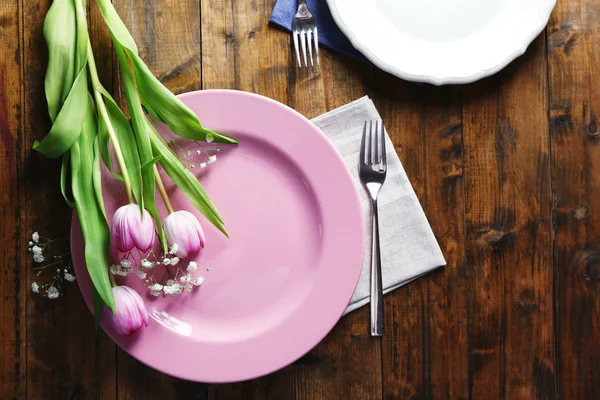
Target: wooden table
507 170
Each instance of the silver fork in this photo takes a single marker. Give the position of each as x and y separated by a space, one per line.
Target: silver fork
372 172
304 28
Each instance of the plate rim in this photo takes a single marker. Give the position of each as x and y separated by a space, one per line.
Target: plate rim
123 341
439 80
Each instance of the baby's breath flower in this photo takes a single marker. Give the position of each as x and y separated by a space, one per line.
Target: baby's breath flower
157 287
202 165
30 244
198 152
115 269
170 282
38 258
141 274
69 277
35 237
174 248
125 263
212 159
192 266
147 264
177 288
186 278
168 289
198 281
209 138
35 288
174 260
37 250
52 293
155 293
166 261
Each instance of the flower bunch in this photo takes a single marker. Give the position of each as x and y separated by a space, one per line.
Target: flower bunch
59 265
89 130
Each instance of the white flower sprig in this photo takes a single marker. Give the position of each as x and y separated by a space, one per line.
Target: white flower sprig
176 276
60 266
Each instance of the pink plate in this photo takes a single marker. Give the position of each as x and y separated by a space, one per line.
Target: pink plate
279 285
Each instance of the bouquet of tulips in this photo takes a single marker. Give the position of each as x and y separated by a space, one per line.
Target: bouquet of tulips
89 130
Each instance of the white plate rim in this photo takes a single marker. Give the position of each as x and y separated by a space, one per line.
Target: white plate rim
439 80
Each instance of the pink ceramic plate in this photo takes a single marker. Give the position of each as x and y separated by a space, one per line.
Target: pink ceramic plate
279 285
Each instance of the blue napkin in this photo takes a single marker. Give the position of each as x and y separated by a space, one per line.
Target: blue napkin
329 34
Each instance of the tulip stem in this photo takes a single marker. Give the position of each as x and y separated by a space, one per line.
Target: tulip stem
103 113
113 283
161 189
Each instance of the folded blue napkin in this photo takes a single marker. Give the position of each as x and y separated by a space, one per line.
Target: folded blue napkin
329 34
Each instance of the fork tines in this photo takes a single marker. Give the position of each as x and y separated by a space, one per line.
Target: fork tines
372 148
304 31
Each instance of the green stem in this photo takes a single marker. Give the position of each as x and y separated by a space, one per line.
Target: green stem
113 283
161 189
96 85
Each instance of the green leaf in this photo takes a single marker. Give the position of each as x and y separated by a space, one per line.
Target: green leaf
142 130
98 308
67 125
95 229
64 172
60 35
160 102
127 142
164 106
187 182
68 50
97 178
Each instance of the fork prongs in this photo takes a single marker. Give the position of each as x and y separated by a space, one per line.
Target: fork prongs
372 147
303 43
309 39
316 38
295 35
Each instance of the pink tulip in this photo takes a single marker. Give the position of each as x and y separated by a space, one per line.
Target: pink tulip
130 228
183 229
130 311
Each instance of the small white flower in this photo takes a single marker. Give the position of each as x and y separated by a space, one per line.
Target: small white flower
115 269
177 288
52 292
192 266
166 261
198 281
168 290
125 263
209 138
38 258
37 250
35 288
198 152
141 274
147 264
202 165
174 248
174 260
69 277
186 278
154 293
171 282
157 287
212 159
35 237
30 243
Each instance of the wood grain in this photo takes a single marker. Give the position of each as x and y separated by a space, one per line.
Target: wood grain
505 169
508 232
573 55
13 365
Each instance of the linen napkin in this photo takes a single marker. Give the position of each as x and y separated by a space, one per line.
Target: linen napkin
408 247
329 34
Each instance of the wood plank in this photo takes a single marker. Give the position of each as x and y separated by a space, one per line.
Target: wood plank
508 229
13 256
167 34
574 66
61 339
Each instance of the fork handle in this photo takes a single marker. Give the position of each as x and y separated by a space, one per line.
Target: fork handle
377 326
300 2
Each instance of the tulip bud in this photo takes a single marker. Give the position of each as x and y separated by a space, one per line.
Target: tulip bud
132 228
130 311
183 229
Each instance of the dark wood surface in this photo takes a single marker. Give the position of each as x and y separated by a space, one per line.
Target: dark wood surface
507 170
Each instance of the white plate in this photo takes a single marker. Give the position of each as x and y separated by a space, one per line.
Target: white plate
441 41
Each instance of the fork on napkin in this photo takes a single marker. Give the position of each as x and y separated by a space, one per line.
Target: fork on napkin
409 248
